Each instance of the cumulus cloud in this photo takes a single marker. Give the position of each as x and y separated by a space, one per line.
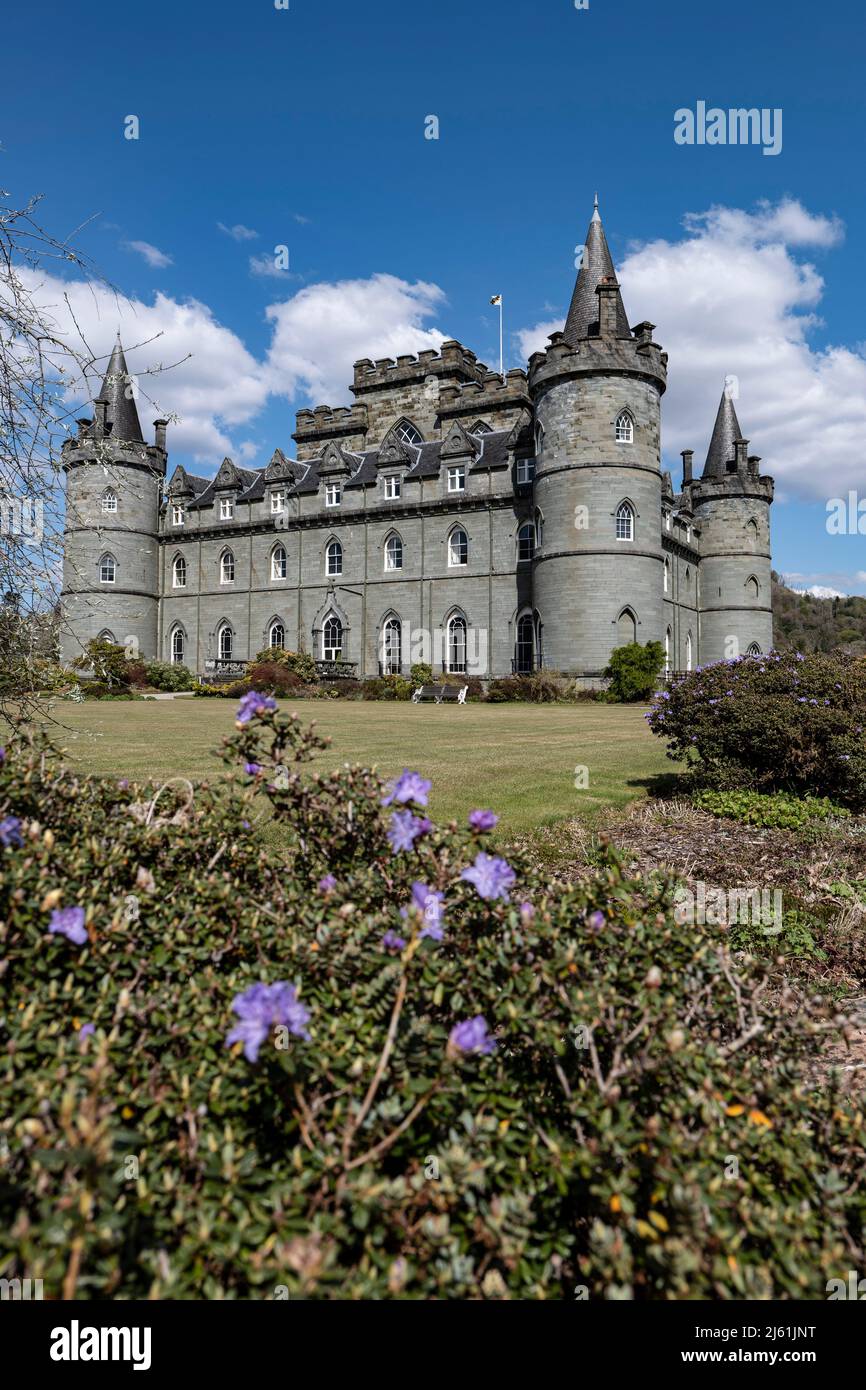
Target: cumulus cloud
238 232
152 254
736 296
267 266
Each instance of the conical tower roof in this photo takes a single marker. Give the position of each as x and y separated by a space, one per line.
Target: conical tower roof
121 414
597 264
727 428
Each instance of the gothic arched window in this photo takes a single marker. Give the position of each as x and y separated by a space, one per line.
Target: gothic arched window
754 650
393 552
667 579
689 652
753 588
526 541
392 647
277 635
667 650
458 548
178 573
625 522
624 428
407 433
334 558
524 650
227 567
226 643
109 501
178 646
480 427
456 655
626 627
279 562
107 569
332 638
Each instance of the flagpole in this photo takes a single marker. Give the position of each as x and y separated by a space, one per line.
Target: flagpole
501 361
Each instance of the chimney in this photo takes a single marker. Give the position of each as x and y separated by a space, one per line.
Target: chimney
159 438
607 291
687 455
754 460
742 448
100 406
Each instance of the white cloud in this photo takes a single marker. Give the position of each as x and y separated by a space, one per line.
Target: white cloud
267 266
152 254
731 297
238 232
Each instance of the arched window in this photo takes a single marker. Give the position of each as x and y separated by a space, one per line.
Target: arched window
539 529
279 562
178 646
667 574
539 439
481 427
524 650
752 529
393 552
107 569
107 636
668 650
226 642
624 428
277 635
458 548
407 433
689 652
754 650
753 588
334 558
227 567
688 576
392 647
178 573
109 500
456 658
332 638
526 541
626 627
625 522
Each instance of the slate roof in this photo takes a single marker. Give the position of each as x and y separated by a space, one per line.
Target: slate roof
597 263
727 428
121 414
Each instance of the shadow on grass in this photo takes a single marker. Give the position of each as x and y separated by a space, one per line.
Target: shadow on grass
664 786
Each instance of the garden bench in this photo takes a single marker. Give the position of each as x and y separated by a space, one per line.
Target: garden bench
440 694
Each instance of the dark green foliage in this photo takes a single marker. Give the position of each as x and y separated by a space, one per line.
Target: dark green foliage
111 666
421 673
776 811
168 675
591 1148
803 623
634 670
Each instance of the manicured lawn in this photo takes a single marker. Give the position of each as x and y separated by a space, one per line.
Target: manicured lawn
518 759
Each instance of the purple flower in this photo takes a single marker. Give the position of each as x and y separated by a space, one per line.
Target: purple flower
10 832
252 769
405 829
491 876
596 920
527 912
2 755
263 1007
392 942
471 1036
409 786
482 820
123 784
69 922
86 1030
252 704
430 905
327 884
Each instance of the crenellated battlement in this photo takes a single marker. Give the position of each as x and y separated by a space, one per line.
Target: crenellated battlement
453 359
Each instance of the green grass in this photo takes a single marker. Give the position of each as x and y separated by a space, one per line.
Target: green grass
519 760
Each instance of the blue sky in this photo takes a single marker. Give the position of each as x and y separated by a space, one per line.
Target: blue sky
306 126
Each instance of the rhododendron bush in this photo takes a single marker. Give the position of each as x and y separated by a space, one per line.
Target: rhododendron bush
390 1061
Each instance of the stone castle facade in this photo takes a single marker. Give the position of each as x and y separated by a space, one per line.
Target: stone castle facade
487 524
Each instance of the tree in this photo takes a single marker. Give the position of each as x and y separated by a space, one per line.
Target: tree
634 670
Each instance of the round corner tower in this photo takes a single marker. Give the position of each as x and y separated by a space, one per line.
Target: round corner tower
111 541
731 503
598 569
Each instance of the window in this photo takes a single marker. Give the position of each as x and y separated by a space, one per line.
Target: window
393 487
539 530
227 508
408 434
392 647
667 574
109 501
178 646
332 638
481 427
458 548
107 569
624 428
178 573
333 494
226 643
279 562
753 529
277 635
457 478
526 541
106 636
393 553
525 470
624 522
667 521
278 501
626 628
754 650
457 643
334 558
667 650
688 576
177 515
539 439
689 652
688 533
524 649
227 568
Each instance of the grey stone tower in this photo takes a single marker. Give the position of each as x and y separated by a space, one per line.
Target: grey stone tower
597 391
111 552
731 503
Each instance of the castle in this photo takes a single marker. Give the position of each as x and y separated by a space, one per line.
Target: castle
485 523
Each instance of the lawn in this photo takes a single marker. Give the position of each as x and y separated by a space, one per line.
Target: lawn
521 760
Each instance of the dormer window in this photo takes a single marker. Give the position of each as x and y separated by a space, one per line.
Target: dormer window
333 494
177 514
278 501
457 478
109 501
408 434
525 471
624 428
227 508
393 488
481 427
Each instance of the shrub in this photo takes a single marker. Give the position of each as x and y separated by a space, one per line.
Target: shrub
540 686
386 688
783 722
169 675
274 678
634 670
224 1076
110 665
777 811
421 673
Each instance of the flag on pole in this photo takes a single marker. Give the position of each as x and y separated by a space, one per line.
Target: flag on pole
497 299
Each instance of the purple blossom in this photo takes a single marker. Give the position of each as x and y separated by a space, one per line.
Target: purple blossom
252 704
405 829
263 1007
327 884
527 912
409 786
2 755
430 905
596 920
471 1036
123 784
86 1030
69 922
483 820
392 942
491 876
252 769
10 832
